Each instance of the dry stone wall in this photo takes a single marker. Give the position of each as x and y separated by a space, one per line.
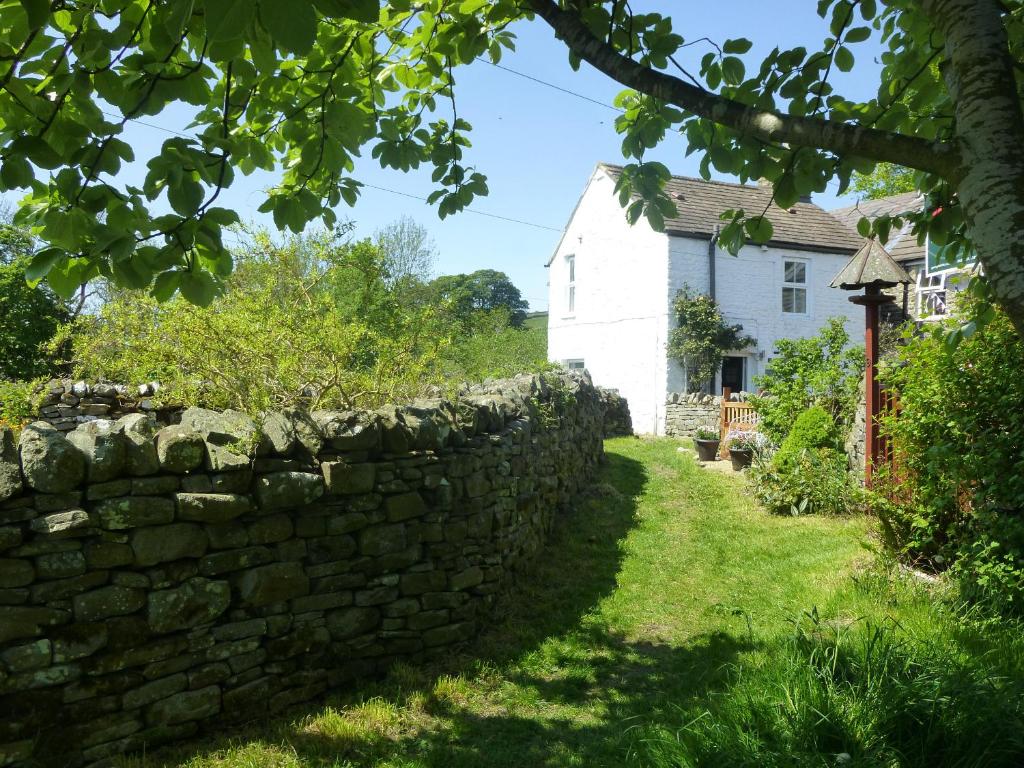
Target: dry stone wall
66 403
686 413
159 581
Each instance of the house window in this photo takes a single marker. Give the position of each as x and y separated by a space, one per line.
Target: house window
794 287
570 297
931 294
574 365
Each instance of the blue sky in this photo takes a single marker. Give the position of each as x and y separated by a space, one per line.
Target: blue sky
538 145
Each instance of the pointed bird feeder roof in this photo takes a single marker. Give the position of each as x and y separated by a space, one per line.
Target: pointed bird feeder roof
871 266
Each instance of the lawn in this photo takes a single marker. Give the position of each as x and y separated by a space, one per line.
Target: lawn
673 623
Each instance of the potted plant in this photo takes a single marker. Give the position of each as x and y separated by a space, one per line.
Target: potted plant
706 441
741 449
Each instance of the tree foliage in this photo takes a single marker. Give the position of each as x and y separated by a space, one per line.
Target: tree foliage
887 179
955 492
299 89
819 371
29 314
408 251
702 337
312 321
485 290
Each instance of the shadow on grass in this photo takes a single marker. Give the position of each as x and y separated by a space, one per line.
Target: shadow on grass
571 705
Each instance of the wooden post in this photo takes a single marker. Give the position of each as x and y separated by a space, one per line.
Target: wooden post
871 300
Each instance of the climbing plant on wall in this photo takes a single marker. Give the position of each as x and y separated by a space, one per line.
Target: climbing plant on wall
702 337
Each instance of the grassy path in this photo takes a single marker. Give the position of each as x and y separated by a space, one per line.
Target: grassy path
654 598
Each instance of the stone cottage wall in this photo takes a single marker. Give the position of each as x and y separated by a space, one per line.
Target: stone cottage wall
685 413
159 581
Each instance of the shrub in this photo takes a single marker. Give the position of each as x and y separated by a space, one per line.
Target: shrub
813 429
813 480
822 370
705 433
956 492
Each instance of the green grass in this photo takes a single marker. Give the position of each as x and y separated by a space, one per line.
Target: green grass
676 624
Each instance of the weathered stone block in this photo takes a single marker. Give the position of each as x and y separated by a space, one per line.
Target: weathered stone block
10 536
78 641
179 449
270 529
154 691
163 543
211 507
60 565
404 506
134 511
231 437
234 560
197 601
109 489
108 554
185 706
273 583
18 622
103 446
24 658
347 623
382 539
288 490
140 453
343 478
48 461
329 548
109 601
16 573
465 579
349 430
10 469
154 486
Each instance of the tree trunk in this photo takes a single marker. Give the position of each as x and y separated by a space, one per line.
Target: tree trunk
990 129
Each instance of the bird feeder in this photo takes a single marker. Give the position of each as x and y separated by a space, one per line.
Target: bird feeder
872 270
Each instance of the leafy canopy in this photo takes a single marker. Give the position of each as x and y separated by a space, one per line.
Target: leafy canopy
299 89
702 337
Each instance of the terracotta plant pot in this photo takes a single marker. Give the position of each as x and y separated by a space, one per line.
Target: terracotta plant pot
707 450
741 458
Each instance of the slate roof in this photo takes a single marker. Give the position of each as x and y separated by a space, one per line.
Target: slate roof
902 245
805 226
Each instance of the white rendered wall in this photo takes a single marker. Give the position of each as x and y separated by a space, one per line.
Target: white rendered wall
748 288
621 317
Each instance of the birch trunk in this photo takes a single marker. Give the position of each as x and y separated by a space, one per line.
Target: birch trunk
990 130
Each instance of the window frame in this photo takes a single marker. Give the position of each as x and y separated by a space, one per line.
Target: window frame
805 286
574 364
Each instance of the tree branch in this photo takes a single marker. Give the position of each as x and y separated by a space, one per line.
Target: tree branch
936 157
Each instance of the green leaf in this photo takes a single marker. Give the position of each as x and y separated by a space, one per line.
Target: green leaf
42 262
291 24
165 285
36 150
360 10
38 12
844 58
185 197
733 70
864 226
228 19
857 35
15 173
739 45
131 273
759 229
198 287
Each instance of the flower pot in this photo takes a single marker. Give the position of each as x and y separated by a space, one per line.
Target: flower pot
707 450
741 458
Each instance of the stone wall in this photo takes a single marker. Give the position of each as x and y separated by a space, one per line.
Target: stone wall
617 421
685 413
159 581
66 403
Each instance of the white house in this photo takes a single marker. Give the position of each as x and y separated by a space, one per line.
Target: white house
612 286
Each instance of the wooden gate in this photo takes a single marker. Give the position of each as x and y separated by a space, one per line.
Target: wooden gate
738 415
